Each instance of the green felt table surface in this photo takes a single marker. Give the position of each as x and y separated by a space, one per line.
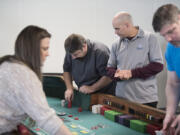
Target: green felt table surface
87 120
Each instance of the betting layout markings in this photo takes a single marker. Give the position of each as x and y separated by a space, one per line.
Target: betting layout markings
83 130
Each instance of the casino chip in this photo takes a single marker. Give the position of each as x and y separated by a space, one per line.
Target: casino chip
80 109
70 115
76 118
159 132
60 113
96 109
63 103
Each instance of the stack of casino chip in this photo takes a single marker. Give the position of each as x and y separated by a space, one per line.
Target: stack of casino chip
110 114
138 125
130 121
63 103
120 118
159 132
96 109
127 120
152 129
103 109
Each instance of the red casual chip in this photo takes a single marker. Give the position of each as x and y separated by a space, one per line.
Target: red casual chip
76 118
79 109
69 104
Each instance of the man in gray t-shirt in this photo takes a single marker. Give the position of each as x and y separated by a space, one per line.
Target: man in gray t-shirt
134 61
85 63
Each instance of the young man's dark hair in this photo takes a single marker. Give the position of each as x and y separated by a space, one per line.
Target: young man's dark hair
166 14
74 42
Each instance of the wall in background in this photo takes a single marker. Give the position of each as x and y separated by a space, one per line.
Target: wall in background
91 18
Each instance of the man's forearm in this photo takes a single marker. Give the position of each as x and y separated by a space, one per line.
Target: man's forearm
63 130
172 95
147 71
111 72
102 82
68 80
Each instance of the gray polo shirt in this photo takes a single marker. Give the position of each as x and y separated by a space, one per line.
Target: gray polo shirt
130 54
89 69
